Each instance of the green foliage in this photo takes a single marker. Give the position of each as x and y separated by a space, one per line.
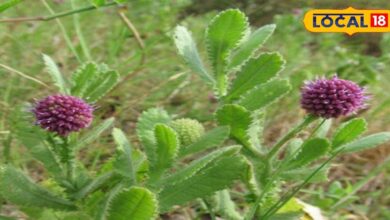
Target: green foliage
223 34
239 120
311 150
189 131
211 139
186 47
167 147
124 159
19 189
366 142
134 203
57 77
92 81
213 177
264 95
8 4
255 72
248 48
349 131
146 122
225 205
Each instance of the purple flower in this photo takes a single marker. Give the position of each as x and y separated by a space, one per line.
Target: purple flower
331 98
63 114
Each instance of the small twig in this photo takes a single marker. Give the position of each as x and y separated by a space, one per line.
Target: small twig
54 16
24 75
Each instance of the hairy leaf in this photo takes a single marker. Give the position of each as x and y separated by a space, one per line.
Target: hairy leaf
226 206
55 74
301 173
214 177
134 203
247 48
123 161
255 72
211 139
264 95
223 34
323 130
93 185
349 131
366 142
187 49
8 4
198 165
239 120
311 150
92 81
17 188
94 134
167 146
146 123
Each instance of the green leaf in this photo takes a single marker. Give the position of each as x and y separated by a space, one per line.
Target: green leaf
247 48
94 134
214 177
123 161
92 81
33 138
8 4
134 203
121 1
17 188
146 123
323 130
255 72
187 49
239 120
226 206
223 34
367 142
301 173
263 95
211 139
198 165
167 146
98 3
2 217
311 150
55 74
349 131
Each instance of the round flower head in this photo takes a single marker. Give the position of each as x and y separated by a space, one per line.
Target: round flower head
63 114
189 131
331 98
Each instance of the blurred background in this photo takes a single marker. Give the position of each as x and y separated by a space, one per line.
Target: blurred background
137 41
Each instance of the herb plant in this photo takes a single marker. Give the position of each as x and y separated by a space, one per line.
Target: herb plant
154 177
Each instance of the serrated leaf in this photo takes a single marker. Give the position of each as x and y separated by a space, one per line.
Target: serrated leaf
8 4
367 142
247 48
198 165
223 34
167 147
55 74
134 203
311 150
146 123
92 81
214 177
349 131
255 72
17 188
226 206
263 95
33 138
211 139
93 134
123 160
187 49
239 120
93 185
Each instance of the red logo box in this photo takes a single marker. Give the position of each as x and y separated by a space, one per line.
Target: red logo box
379 20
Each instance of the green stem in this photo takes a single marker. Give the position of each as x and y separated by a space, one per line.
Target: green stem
209 209
75 11
291 134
